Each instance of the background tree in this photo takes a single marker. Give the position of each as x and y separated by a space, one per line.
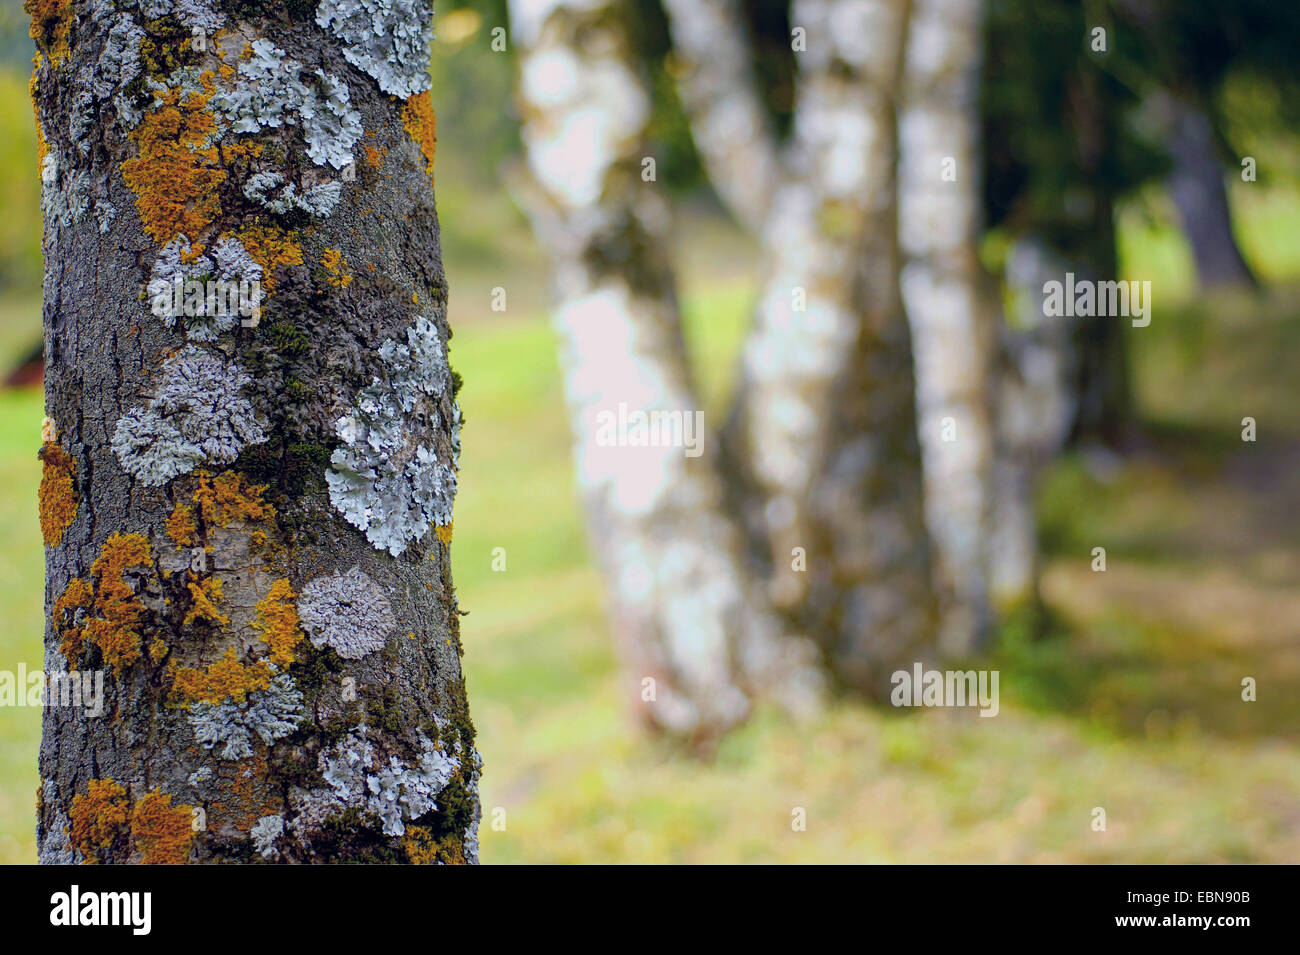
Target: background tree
823 430
1182 60
1059 153
822 438
691 618
948 302
252 438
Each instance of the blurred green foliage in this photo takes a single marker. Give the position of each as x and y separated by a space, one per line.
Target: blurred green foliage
20 226
1069 131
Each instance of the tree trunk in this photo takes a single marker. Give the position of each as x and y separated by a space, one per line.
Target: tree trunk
1104 406
699 640
1196 185
728 122
939 202
1035 407
825 423
247 512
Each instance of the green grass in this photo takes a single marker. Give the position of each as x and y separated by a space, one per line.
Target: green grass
21 601
1132 705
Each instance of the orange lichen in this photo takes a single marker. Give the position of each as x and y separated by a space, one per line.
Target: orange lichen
97 818
272 248
57 494
51 24
340 274
204 597
228 498
243 798
374 155
444 532
78 595
162 832
243 152
277 619
227 679
176 174
115 628
181 526
423 849
33 89
157 649
422 126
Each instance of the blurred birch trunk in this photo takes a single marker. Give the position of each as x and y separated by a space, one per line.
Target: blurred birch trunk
1035 408
1197 189
698 635
939 202
823 433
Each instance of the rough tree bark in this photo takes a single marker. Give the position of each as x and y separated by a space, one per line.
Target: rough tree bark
689 616
947 305
247 515
824 426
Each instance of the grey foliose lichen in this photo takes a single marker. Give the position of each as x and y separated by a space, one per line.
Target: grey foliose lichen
194 14
200 777
389 39
383 480
265 833
396 792
471 831
229 264
68 194
198 415
65 193
62 202
268 92
269 715
117 66
189 81
272 192
348 612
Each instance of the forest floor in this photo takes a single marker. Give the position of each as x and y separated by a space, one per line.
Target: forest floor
1132 703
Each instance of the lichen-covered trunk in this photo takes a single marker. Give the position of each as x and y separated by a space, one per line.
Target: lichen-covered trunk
824 425
699 639
939 201
251 444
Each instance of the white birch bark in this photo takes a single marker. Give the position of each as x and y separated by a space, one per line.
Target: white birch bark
825 423
730 128
690 618
939 199
1035 409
